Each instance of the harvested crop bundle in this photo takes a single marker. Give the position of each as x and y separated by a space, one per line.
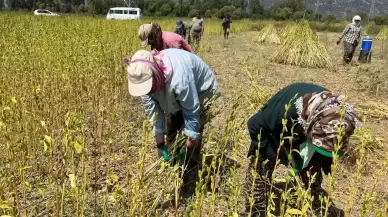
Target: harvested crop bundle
269 34
303 48
383 34
288 30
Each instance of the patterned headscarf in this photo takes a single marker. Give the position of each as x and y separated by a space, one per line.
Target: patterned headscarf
320 116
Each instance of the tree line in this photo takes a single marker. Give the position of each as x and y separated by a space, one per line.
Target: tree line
285 10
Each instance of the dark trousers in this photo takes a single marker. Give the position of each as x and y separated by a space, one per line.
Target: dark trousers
226 32
175 124
349 50
259 188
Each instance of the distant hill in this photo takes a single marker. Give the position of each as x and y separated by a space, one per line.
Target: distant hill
341 8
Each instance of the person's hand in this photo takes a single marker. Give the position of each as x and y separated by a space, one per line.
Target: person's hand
338 41
190 143
162 151
159 138
180 153
356 43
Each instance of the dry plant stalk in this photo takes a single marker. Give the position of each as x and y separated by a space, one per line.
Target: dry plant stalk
268 35
288 30
303 48
373 109
383 34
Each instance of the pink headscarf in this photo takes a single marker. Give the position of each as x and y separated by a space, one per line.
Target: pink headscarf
161 68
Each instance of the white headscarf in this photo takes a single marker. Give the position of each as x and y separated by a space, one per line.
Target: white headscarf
354 20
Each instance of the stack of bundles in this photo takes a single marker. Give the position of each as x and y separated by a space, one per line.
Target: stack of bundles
383 34
268 34
288 30
303 48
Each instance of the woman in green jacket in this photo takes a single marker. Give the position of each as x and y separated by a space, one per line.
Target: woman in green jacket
314 116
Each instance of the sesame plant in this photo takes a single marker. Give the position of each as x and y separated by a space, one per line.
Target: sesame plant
74 143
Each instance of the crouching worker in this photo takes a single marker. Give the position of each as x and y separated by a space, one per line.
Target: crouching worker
317 119
176 83
152 34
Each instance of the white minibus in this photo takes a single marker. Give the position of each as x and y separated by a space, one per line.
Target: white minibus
123 13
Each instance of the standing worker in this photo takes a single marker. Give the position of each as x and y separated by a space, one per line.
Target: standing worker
151 34
175 82
197 28
315 131
226 25
182 29
351 38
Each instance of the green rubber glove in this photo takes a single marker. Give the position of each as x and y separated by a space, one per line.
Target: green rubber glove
181 153
162 152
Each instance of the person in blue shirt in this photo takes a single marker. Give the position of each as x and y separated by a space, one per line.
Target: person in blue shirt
174 85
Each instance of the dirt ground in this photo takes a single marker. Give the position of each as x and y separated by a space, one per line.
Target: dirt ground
356 81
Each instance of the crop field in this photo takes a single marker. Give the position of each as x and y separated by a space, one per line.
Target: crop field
74 142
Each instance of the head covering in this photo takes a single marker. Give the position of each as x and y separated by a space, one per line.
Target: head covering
144 32
356 18
145 73
179 23
322 115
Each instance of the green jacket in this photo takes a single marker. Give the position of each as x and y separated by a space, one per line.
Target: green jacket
269 119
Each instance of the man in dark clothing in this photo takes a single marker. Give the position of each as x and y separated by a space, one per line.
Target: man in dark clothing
226 25
314 116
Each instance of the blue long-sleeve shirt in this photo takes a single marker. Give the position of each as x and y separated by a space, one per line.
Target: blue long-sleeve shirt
191 83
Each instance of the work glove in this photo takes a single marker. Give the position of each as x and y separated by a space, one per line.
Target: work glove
355 43
162 151
338 41
180 154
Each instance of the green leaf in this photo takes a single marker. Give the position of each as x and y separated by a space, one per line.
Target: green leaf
25 167
113 178
72 180
77 147
294 212
28 185
4 206
305 208
292 172
41 191
48 140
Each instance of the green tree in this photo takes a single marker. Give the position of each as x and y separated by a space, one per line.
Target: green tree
381 20
255 8
165 9
298 15
283 13
237 14
226 10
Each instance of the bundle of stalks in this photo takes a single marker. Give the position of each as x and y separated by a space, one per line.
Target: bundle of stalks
303 48
268 34
383 34
288 30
